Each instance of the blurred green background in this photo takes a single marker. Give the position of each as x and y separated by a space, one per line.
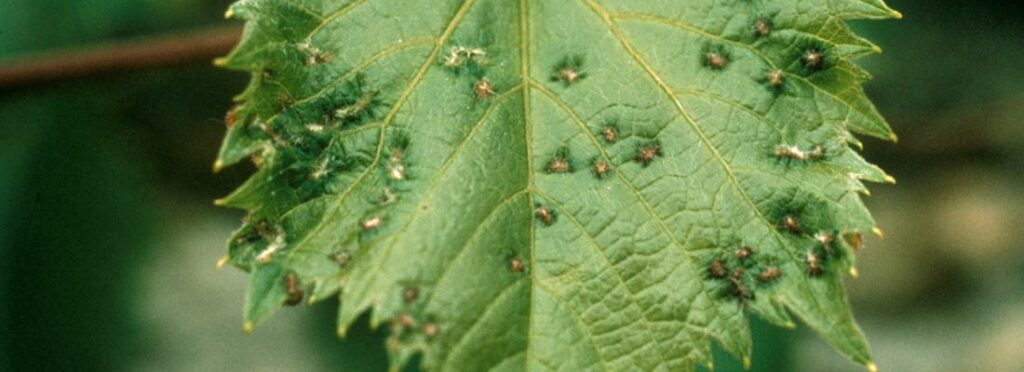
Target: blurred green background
109 239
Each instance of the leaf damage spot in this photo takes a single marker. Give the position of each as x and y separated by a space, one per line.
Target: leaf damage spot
737 287
293 289
430 330
459 56
824 238
396 166
775 78
769 274
601 168
372 223
342 258
813 261
405 321
314 56
790 223
645 154
483 89
560 163
569 70
389 197
410 294
813 58
744 252
357 108
717 269
716 60
762 27
610 134
266 254
545 215
793 152
516 265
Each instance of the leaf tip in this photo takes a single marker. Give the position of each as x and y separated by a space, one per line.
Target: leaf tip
220 202
872 367
218 165
896 14
229 14
890 179
313 299
789 325
854 273
247 327
223 261
746 363
878 232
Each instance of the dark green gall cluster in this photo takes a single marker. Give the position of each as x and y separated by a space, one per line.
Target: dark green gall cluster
740 273
413 327
811 224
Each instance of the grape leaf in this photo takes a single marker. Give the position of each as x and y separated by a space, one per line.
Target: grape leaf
555 184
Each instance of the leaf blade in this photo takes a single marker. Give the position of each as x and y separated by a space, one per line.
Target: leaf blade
493 146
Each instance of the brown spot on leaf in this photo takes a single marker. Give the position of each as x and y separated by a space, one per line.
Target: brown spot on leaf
744 253
544 215
762 27
646 154
813 263
769 274
410 294
430 330
791 223
601 168
405 321
559 165
342 258
610 135
717 269
813 58
776 78
516 265
483 89
292 288
372 223
716 60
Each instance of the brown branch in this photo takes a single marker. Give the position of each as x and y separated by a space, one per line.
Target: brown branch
117 57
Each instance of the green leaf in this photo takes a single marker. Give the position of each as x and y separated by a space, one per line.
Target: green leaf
555 184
